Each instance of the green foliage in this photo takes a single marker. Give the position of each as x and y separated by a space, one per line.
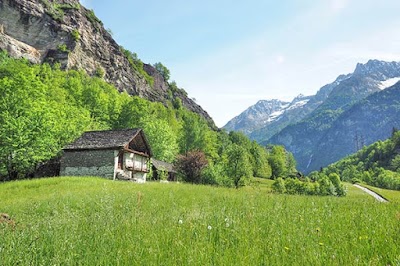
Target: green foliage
376 165
238 164
44 108
75 35
91 16
163 70
100 72
63 48
281 161
261 167
35 119
177 103
194 134
323 186
56 10
279 185
395 163
92 221
137 65
161 136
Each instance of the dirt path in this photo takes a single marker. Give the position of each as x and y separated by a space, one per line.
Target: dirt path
373 194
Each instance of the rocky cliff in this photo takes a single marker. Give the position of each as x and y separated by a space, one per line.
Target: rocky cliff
65 32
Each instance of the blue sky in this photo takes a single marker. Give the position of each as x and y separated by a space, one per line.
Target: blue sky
230 54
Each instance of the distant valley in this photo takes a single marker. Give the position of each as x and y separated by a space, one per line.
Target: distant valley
340 118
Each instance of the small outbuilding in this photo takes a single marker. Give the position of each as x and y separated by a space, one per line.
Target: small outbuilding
162 170
114 154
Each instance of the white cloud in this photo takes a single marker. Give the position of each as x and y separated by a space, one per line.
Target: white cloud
280 59
338 5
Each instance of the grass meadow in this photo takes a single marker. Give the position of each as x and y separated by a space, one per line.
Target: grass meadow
93 221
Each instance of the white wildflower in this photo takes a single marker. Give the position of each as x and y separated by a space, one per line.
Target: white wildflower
209 227
180 221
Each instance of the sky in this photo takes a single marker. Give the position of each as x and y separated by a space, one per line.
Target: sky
230 54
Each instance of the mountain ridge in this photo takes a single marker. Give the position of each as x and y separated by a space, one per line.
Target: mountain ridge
303 130
305 138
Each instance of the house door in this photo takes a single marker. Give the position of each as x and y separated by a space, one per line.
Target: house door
120 160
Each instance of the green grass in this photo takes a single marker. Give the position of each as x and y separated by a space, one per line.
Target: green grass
391 195
93 221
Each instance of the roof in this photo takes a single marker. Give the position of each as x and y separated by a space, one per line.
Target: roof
164 166
109 139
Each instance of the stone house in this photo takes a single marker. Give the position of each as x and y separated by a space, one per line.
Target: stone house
114 154
161 168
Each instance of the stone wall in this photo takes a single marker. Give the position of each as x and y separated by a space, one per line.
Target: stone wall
88 163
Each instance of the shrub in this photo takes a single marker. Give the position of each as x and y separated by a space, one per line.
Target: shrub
279 185
91 16
75 35
191 165
137 65
63 48
323 186
100 72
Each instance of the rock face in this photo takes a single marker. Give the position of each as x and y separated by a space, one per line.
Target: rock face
65 32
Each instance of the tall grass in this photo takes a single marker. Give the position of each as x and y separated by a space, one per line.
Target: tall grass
92 221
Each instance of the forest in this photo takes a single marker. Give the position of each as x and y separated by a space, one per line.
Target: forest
43 108
377 165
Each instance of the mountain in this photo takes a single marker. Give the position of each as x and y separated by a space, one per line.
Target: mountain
366 122
257 116
65 32
310 126
379 163
326 134
259 124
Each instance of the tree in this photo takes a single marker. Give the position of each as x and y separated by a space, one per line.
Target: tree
193 135
261 167
290 163
277 160
190 166
163 70
35 122
279 185
395 163
163 141
238 166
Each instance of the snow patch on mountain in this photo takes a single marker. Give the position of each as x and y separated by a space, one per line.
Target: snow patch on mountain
298 104
388 83
275 115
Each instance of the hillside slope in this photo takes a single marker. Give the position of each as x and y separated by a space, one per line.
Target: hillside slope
65 32
306 138
366 122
